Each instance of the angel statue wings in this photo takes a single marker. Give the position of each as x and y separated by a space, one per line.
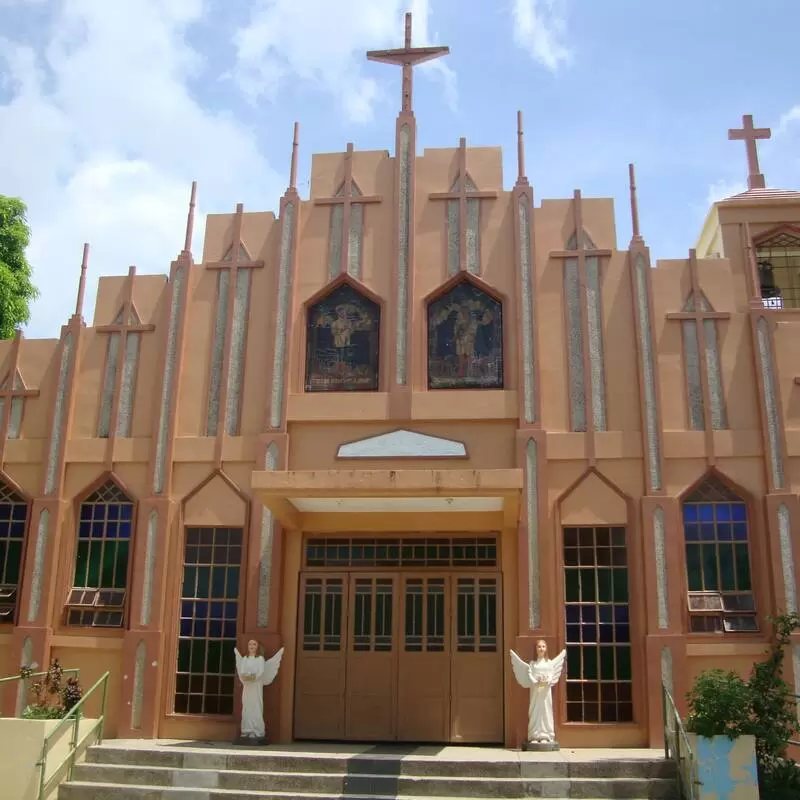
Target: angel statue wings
255 672
539 676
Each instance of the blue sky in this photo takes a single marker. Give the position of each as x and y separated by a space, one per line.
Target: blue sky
108 110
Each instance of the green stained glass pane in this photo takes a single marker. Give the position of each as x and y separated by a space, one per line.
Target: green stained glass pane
573 662
109 562
727 574
710 574
198 655
743 568
573 591
13 562
81 564
121 574
623 663
184 649
218 582
214 657
604 584
95 563
587 586
607 663
590 663
203 581
620 585
694 569
228 658
189 581
232 588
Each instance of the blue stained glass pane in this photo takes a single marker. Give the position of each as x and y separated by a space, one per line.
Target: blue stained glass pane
86 512
215 627
573 614
739 512
588 613
98 512
623 633
573 633
84 530
201 609
199 627
230 629
217 610
19 512
723 512
589 633
186 627
113 511
126 511
692 532
230 610
620 613
689 512
97 530
17 529
111 530
707 531
606 613
606 633
705 512
186 608
740 531
724 531
124 530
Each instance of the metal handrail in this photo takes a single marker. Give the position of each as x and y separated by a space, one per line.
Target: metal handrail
26 678
73 716
677 747
797 703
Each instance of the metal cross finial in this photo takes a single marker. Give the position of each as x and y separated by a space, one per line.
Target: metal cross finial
407 57
749 133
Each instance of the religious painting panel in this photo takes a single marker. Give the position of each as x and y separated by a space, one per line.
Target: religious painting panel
343 342
465 340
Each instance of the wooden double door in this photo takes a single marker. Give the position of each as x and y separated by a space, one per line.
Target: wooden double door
394 656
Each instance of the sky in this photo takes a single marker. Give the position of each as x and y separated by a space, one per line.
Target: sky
109 109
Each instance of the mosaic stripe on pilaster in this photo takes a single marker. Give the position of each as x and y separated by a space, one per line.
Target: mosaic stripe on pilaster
166 389
138 686
284 288
217 352
472 233
335 239
149 568
56 432
25 661
719 417
112 359
648 374
355 236
529 386
659 546
770 402
265 555
241 304
403 255
532 508
17 406
129 364
595 330
691 359
787 559
577 379
42 534
667 671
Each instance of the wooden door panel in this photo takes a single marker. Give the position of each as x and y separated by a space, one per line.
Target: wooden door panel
423 709
372 659
477 660
319 709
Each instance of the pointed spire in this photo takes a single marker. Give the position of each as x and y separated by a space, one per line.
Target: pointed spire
293 169
520 149
636 234
187 242
82 281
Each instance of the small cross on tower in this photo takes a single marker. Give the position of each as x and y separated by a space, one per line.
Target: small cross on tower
749 133
407 57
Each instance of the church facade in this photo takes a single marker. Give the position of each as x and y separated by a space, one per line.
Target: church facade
405 425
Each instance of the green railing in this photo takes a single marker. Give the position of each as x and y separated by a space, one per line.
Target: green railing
677 747
797 703
73 718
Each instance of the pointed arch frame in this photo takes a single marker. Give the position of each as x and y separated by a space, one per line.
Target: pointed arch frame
27 499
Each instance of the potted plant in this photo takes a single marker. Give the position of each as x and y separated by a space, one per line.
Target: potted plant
51 699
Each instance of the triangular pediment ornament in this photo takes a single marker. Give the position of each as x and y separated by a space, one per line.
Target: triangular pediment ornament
243 254
354 190
18 383
403 444
587 243
133 317
470 184
705 306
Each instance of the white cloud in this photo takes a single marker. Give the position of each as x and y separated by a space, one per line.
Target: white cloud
101 137
540 28
322 43
721 190
788 121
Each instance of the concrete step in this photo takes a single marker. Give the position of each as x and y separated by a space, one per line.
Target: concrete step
348 785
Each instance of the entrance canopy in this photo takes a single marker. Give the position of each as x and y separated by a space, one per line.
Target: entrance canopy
392 500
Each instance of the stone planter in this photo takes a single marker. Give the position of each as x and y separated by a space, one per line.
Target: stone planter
725 767
23 740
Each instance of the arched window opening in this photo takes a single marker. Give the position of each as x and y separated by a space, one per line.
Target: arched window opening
13 525
99 588
779 270
716 535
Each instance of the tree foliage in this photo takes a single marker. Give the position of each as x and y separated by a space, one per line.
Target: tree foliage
16 287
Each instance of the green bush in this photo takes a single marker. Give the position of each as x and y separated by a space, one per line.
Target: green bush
719 704
52 699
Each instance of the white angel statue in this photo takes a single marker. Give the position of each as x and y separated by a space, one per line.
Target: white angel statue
539 676
255 673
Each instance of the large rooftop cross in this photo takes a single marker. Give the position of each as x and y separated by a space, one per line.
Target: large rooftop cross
407 57
755 180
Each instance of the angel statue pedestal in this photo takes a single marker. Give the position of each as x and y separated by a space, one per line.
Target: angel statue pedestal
255 673
540 676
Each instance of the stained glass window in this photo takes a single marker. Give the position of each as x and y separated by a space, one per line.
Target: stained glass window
105 522
343 342
206 668
598 628
779 270
13 523
465 340
716 536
